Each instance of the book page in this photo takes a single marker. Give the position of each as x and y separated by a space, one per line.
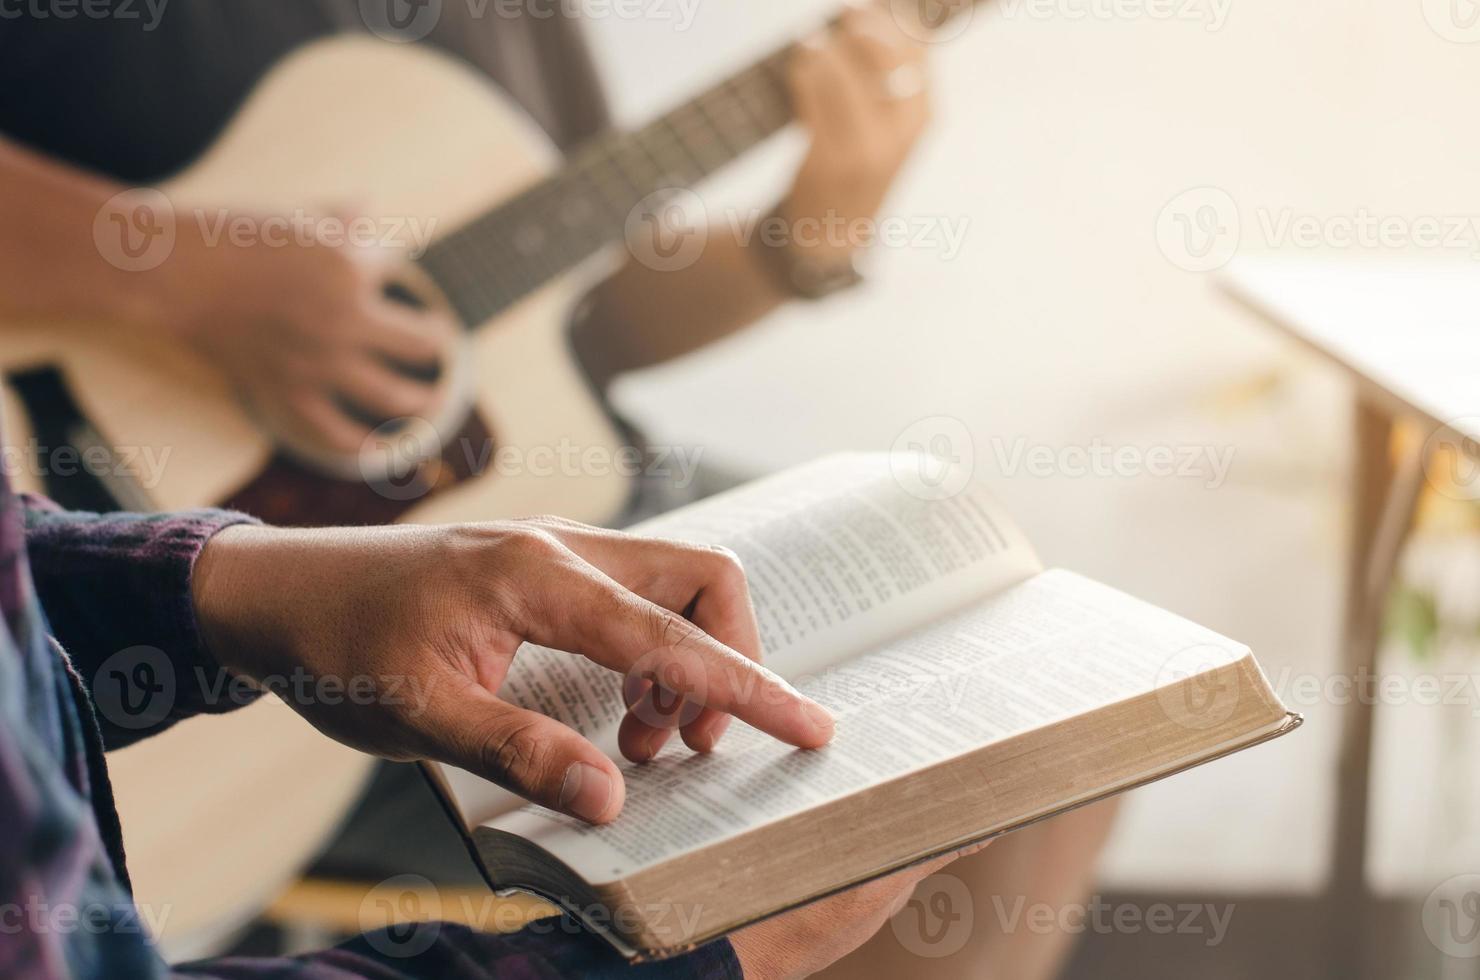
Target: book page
841 555
1052 648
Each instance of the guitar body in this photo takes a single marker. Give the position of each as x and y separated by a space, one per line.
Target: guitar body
392 131
395 132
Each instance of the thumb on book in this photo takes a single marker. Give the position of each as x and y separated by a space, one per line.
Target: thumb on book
526 753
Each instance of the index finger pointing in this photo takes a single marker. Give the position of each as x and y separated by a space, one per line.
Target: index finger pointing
623 632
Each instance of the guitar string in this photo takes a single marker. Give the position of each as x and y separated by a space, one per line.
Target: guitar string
482 274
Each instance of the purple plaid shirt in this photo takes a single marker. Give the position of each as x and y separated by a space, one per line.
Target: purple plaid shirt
74 683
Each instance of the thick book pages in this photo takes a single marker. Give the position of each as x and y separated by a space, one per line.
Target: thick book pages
975 693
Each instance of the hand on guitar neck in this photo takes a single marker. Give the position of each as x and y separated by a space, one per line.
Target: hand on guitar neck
861 91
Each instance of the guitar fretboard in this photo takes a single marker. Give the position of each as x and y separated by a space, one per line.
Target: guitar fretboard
488 265
492 263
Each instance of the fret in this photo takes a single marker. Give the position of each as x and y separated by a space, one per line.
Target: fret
641 160
699 138
705 113
767 101
672 164
598 195
740 130
686 160
640 169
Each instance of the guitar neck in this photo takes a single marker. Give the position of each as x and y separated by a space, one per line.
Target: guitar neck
490 264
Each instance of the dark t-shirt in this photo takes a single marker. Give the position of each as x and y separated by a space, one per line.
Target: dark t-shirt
138 89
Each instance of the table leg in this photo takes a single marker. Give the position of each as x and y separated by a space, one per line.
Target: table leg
1384 502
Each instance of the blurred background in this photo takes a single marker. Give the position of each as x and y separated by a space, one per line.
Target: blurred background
1047 302
1064 132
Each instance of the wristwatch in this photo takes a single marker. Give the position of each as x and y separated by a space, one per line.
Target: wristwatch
808 278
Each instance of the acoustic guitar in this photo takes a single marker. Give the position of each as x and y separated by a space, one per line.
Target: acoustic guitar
518 237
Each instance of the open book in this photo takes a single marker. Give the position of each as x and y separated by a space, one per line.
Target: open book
975 693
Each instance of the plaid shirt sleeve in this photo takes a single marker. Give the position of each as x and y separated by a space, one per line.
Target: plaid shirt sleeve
116 590
65 909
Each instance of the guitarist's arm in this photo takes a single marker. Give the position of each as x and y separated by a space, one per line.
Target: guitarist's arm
290 322
861 136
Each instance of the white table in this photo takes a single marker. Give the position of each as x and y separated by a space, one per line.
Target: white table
1408 335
